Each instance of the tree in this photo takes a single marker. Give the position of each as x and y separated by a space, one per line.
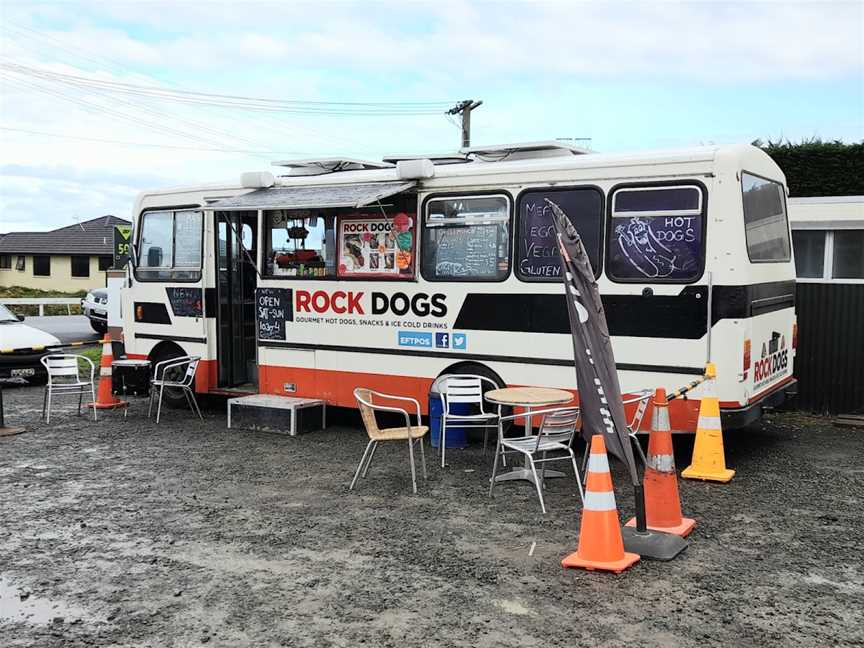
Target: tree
817 168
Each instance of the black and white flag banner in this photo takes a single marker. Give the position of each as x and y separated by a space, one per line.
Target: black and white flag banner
596 376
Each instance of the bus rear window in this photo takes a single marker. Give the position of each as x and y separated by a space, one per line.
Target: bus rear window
656 234
765 224
466 239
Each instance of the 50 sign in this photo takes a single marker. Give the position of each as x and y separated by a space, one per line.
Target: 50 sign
122 242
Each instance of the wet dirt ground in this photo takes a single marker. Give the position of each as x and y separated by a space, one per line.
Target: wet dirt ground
122 533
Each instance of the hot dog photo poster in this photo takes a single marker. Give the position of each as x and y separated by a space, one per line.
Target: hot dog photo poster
377 247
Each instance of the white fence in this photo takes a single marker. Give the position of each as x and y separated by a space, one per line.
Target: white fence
42 302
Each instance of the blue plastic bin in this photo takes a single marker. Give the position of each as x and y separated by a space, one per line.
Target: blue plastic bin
455 435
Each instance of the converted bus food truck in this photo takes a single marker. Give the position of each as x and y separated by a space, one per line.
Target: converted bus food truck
344 273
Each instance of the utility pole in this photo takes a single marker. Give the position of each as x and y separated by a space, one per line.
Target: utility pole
464 109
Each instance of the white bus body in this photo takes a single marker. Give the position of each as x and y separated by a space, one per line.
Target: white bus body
474 288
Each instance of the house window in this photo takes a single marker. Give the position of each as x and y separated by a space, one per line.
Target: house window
80 266
105 263
169 246
20 264
536 243
5 261
829 255
656 234
466 239
848 254
41 265
765 225
809 253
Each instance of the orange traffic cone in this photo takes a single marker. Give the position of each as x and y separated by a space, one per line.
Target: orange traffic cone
104 398
600 543
662 503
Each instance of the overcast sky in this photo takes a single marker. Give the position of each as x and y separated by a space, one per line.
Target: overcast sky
627 75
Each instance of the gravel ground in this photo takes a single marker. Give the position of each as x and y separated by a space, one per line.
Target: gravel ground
122 533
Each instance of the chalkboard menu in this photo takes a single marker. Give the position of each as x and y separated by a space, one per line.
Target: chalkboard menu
274 308
467 251
185 302
537 247
656 247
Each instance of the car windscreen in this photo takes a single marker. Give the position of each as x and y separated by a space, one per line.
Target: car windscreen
6 315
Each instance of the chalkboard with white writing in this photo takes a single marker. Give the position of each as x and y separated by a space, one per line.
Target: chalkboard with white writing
274 308
537 247
470 252
185 301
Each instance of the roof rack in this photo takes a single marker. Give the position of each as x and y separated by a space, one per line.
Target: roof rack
320 166
523 150
436 158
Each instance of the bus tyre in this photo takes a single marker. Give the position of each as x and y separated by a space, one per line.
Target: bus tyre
173 397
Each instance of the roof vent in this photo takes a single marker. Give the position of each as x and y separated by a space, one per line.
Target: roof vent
329 165
523 151
415 169
257 180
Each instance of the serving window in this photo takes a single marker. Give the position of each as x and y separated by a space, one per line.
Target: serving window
466 238
536 242
656 234
341 243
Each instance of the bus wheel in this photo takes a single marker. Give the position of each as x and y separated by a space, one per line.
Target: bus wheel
476 369
172 397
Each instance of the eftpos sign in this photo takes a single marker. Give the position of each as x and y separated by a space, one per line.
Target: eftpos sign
122 241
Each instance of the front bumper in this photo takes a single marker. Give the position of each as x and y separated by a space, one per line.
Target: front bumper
740 417
18 360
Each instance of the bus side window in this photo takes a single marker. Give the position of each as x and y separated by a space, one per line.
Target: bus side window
765 225
169 247
656 234
536 244
466 238
300 243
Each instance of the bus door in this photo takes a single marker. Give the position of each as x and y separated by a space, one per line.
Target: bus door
236 249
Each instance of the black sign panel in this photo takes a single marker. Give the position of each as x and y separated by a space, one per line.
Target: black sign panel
185 302
122 241
468 252
656 248
274 308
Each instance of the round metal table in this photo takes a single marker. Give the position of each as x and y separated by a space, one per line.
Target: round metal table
528 398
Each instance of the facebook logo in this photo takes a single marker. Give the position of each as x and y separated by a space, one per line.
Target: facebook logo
415 339
460 341
442 340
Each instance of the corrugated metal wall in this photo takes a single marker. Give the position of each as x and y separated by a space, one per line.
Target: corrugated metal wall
829 363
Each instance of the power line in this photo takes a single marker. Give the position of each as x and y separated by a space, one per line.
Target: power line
144 144
231 101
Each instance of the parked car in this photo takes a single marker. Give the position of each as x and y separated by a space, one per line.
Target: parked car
21 347
95 308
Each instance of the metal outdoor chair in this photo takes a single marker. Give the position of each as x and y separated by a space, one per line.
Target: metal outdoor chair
67 375
555 435
410 433
167 374
641 399
463 390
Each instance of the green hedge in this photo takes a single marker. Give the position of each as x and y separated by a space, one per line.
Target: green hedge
817 168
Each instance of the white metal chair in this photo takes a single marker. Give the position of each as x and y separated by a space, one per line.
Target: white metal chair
168 374
555 435
67 375
410 433
641 399
464 390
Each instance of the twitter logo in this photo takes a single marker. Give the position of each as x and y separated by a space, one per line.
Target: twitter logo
460 341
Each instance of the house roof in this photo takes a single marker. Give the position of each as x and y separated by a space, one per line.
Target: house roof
95 236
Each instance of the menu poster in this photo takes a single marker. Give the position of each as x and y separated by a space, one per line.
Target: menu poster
377 246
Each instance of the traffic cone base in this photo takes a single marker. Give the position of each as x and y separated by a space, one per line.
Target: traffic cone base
615 566
684 529
722 476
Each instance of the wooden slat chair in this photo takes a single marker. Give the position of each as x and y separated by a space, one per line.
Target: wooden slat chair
413 434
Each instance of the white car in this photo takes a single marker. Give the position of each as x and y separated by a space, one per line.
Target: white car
95 308
21 347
